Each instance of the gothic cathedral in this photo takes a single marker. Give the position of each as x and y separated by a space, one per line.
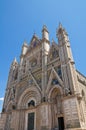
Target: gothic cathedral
45 91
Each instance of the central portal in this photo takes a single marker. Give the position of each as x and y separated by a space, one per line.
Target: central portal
61 123
30 121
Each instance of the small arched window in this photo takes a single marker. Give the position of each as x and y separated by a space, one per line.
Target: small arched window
31 103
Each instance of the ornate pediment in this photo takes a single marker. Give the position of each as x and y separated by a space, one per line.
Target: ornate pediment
55 78
35 41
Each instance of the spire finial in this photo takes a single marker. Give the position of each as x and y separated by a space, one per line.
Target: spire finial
52 40
45 28
45 33
59 29
34 34
15 61
60 25
25 43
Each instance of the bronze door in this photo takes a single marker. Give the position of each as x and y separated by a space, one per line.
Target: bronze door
61 123
30 121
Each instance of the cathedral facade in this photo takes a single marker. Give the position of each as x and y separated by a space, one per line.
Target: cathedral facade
45 91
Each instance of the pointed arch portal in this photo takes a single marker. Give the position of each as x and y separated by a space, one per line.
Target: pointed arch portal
55 96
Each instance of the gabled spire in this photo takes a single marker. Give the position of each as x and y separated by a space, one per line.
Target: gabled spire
61 28
61 31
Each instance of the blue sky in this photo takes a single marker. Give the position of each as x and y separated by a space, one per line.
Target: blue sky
19 19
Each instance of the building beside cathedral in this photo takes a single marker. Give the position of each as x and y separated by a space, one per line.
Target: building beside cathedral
45 91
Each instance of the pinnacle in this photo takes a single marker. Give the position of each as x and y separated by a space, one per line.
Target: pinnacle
35 35
45 28
25 43
14 61
60 25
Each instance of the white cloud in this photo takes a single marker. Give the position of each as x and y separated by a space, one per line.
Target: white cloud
1 99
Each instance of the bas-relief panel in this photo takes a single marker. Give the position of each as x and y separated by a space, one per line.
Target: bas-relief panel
71 113
44 115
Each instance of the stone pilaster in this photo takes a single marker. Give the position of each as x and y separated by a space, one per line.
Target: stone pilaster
45 50
44 117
